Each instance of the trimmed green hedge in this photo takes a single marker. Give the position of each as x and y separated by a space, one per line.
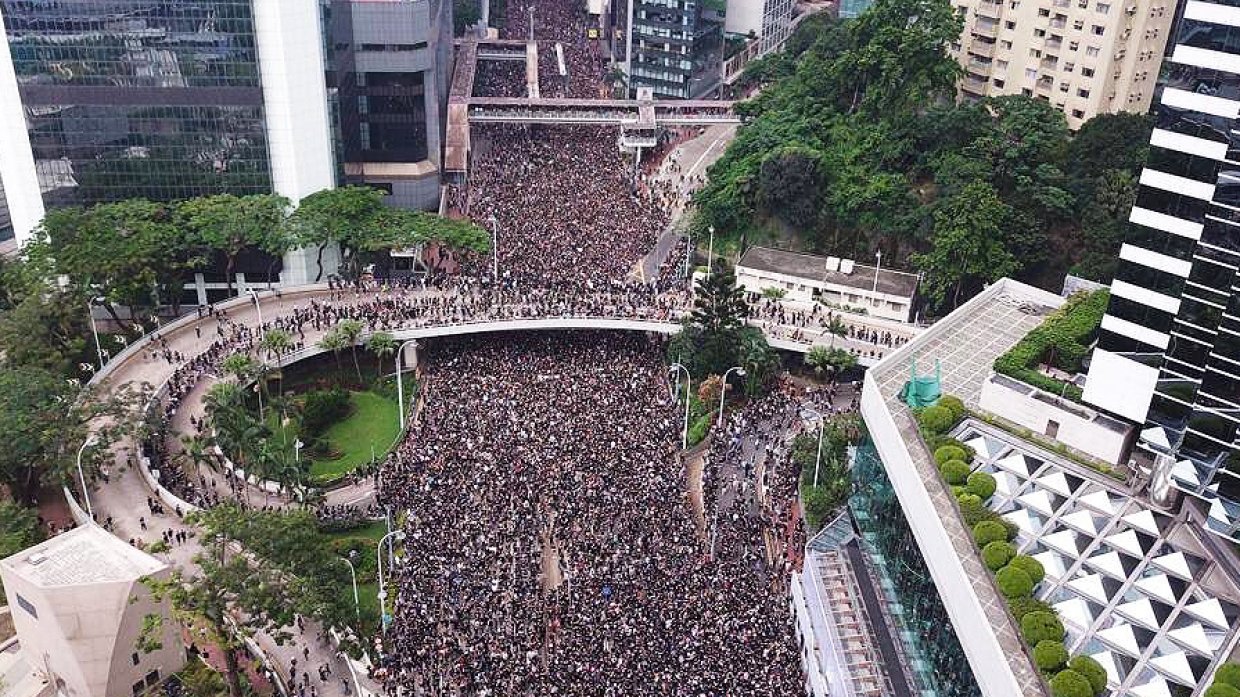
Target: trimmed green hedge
936 419
996 555
1062 340
989 531
1031 566
1228 674
981 484
1092 670
955 472
1069 683
1050 656
1014 583
953 404
1221 689
1019 607
1041 625
949 452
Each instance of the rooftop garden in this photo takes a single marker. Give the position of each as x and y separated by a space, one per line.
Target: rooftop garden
1016 576
1061 342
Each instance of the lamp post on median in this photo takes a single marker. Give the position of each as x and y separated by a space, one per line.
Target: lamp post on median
357 604
90 440
878 264
399 535
710 252
94 330
400 384
257 305
723 389
822 423
684 433
494 246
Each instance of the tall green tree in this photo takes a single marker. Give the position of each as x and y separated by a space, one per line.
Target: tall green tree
230 224
351 331
382 344
967 248
338 216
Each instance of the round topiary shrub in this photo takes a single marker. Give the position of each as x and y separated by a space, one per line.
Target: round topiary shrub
989 531
981 484
954 472
959 491
1228 674
1050 656
949 452
996 555
965 499
1040 625
1221 689
1019 607
1092 670
952 404
1029 565
936 419
1014 583
1069 683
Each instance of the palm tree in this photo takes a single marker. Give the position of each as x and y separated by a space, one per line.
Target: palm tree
245 368
197 449
818 358
277 342
351 330
335 342
836 327
381 344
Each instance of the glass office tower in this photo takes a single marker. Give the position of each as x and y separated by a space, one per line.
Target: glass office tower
677 46
124 98
1169 350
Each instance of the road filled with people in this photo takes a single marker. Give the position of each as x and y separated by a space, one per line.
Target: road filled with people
551 546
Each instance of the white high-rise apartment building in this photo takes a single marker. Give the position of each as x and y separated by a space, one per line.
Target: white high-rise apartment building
1086 57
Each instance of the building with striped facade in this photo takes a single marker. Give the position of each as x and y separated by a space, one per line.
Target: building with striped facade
1169 349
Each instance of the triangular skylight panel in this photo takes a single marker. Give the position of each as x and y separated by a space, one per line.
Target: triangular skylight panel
1159 586
1129 541
1083 520
1178 564
1156 435
1006 483
1090 586
1075 611
1107 660
1140 611
1039 501
1208 611
1099 501
1121 638
1025 520
1156 687
1175 666
1014 463
1067 541
1057 482
980 446
1108 563
1143 520
1052 564
1193 636
1187 473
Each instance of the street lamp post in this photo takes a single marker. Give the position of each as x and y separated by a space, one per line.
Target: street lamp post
257 305
90 440
495 245
822 423
710 252
878 264
684 433
400 384
94 329
399 535
357 603
723 389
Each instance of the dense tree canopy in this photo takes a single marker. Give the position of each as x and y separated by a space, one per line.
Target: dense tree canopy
856 143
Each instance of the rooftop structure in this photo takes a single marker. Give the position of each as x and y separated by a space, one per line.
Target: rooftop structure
80 603
1137 587
841 282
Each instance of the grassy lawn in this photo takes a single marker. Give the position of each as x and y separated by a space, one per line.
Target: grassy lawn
373 531
372 423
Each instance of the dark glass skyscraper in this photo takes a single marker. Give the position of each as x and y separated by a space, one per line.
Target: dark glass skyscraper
676 46
1169 351
131 98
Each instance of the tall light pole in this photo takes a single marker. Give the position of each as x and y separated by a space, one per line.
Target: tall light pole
822 423
495 243
90 440
400 384
723 388
684 433
399 535
878 264
257 305
357 603
90 312
710 253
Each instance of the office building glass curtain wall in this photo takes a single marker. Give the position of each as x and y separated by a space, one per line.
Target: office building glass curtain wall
1173 306
677 46
939 663
123 98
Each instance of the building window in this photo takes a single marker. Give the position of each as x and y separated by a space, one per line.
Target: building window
152 678
1063 87
1035 53
1010 24
1092 51
1026 91
134 658
138 687
1102 8
998 83
1005 45
27 606
1078 24
1082 92
1087 72
1039 33
1099 30
1077 113
1031 73
1067 67
1044 12
1074 45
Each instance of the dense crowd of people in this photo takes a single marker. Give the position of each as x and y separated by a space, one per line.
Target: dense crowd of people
551 546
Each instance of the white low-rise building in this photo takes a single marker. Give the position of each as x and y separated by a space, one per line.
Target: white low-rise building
84 615
840 283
